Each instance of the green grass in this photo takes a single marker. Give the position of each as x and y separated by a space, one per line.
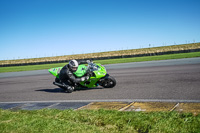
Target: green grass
91 121
150 58
109 61
29 67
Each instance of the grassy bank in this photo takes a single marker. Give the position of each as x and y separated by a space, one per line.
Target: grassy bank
97 121
107 54
150 58
110 61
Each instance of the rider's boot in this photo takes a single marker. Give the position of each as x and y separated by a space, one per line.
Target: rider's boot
68 88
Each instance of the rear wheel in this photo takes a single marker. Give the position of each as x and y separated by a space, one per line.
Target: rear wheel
57 80
109 82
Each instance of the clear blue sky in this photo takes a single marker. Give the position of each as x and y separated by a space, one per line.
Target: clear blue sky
41 28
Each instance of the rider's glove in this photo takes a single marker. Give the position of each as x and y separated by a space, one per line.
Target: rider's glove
82 78
85 78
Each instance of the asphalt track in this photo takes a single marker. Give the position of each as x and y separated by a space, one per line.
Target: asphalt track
168 80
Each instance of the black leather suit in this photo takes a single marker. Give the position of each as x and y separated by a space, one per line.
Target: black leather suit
67 77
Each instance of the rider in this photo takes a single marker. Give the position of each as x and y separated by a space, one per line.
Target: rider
67 76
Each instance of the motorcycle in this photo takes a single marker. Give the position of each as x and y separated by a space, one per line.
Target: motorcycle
97 76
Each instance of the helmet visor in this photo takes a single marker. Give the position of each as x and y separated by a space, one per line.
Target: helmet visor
74 69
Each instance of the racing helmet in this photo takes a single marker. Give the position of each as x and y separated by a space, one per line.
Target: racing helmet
73 65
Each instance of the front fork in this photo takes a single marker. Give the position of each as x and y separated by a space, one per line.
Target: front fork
100 82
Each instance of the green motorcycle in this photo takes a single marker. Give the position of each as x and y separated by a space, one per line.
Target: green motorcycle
97 73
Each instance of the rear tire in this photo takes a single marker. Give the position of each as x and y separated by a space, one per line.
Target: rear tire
109 82
58 81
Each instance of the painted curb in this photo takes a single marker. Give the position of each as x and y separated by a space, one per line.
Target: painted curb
120 106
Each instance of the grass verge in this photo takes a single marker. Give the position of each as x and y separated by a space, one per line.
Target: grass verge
97 121
109 61
153 50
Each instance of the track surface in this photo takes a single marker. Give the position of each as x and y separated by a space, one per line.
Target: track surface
160 80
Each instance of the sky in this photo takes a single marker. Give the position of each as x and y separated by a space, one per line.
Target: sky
44 28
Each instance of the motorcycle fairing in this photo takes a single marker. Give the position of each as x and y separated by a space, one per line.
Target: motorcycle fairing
55 71
98 74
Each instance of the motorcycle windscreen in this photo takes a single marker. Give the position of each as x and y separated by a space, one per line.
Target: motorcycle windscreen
101 72
81 71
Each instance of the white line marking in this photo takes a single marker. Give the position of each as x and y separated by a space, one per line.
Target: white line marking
55 104
111 100
174 107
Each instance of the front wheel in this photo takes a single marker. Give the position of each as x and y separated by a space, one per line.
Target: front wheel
109 82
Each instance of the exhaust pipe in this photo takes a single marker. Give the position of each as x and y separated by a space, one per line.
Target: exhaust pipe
58 84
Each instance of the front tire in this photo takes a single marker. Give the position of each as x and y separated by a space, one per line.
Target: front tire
109 82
